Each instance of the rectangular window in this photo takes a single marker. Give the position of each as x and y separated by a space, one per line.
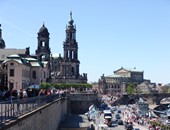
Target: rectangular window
11 73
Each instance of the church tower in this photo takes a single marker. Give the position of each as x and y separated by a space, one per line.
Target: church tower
67 67
43 50
2 42
71 62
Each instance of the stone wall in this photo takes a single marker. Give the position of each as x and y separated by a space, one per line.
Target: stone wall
79 103
47 117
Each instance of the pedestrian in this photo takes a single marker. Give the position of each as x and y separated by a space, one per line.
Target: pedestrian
20 94
25 95
92 127
41 92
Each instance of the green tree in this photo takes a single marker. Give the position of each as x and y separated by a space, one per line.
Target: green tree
130 89
45 85
169 90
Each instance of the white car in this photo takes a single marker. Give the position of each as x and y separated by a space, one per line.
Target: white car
103 127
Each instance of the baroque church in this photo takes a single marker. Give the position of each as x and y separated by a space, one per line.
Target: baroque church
63 69
43 66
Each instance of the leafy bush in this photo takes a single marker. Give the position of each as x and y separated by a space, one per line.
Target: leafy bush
65 86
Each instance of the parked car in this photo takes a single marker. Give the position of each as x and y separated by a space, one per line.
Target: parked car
103 127
114 123
128 127
117 116
112 109
119 111
107 113
102 106
120 122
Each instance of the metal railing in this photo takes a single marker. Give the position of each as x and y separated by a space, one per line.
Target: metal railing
11 110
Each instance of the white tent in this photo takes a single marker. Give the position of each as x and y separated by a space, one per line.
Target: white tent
34 86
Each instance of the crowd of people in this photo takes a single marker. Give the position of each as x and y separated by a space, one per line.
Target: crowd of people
30 92
131 116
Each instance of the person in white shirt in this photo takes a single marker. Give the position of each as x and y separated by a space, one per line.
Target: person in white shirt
25 94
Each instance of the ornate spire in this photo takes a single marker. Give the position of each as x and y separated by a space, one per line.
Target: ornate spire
71 21
70 14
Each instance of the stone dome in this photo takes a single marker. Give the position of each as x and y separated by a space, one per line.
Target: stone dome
43 29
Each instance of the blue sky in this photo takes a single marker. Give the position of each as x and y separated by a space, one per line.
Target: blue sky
110 33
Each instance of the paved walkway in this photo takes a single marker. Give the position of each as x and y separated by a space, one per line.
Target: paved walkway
75 121
135 125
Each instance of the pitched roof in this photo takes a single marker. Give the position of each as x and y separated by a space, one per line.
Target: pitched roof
9 51
26 61
117 76
128 69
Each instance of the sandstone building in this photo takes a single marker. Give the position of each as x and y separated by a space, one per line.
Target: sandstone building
117 83
25 69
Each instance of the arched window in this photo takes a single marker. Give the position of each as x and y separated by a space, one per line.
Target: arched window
72 54
68 54
43 43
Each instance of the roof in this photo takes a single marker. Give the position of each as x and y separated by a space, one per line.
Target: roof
16 60
128 69
31 59
26 61
147 84
133 69
106 111
117 76
13 56
108 117
35 64
43 29
10 51
55 55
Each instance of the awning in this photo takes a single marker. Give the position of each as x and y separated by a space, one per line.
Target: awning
34 86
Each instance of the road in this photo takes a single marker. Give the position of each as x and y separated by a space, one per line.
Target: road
100 120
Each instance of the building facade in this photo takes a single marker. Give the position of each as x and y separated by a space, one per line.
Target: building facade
23 72
66 68
117 83
25 69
